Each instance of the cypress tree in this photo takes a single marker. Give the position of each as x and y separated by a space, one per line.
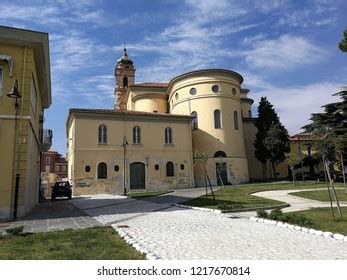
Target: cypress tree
272 139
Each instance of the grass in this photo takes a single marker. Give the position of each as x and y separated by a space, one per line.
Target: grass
322 219
236 198
142 195
98 243
322 195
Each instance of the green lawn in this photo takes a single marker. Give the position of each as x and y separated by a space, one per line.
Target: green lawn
322 195
322 220
142 195
99 243
235 198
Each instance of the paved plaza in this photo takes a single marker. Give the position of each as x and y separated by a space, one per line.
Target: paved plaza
171 232
55 215
175 233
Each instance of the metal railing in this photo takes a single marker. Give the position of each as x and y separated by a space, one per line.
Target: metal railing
46 136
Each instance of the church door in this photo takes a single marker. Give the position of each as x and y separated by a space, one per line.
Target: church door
137 175
221 173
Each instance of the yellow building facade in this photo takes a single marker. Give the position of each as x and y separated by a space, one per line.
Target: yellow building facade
24 76
303 159
121 151
205 110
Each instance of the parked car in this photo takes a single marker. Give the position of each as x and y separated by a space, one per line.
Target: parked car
61 189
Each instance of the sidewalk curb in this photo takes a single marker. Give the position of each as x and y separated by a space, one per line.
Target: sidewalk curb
131 241
327 234
216 211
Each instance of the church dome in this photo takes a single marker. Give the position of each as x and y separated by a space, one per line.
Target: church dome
125 58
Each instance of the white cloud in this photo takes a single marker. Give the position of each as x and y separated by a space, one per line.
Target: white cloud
294 104
73 51
286 52
319 13
47 15
195 40
207 10
52 13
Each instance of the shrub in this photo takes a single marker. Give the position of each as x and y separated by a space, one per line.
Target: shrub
262 214
15 230
276 214
299 220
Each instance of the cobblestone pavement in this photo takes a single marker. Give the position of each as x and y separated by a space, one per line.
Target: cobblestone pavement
55 215
176 233
296 203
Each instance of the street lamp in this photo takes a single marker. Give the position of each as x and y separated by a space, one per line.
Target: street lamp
14 93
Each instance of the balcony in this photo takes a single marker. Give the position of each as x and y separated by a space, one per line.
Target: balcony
46 136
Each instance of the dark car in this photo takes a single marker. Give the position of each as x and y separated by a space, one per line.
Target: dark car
61 189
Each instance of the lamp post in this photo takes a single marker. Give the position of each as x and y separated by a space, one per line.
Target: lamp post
14 93
125 144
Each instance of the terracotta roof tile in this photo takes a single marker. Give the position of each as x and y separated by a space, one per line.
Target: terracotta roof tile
303 136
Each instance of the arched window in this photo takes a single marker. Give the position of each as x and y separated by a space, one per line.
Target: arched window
125 82
169 169
102 170
236 121
220 154
102 134
194 120
136 135
217 120
168 135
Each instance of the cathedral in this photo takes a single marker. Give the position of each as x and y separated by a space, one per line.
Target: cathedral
152 138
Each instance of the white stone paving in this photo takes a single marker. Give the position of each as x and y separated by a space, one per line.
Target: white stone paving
175 233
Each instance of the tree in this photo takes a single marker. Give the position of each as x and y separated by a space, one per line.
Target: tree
343 43
201 158
272 139
291 159
276 143
331 129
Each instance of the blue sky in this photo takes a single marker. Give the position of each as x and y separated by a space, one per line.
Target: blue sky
285 50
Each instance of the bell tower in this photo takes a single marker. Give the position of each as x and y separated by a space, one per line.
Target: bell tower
125 77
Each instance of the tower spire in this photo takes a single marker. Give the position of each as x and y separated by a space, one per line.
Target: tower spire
125 77
125 54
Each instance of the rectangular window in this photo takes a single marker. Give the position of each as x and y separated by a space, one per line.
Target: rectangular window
33 95
57 168
48 160
63 168
1 81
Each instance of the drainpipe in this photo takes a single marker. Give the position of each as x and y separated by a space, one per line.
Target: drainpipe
15 181
16 158
124 155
